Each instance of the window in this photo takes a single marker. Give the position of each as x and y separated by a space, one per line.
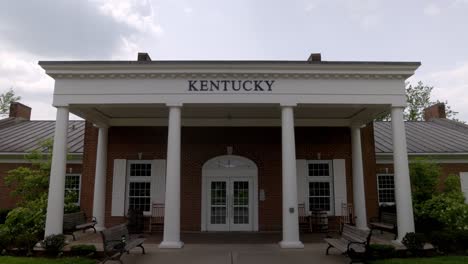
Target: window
386 188
320 183
139 185
73 186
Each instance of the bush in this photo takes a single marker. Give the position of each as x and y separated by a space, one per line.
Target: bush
25 225
83 250
53 244
414 242
424 179
448 242
446 209
378 251
3 215
5 239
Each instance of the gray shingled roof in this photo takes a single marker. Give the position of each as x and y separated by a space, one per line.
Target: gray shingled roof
26 136
438 136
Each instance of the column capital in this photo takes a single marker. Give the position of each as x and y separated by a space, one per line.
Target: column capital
105 126
356 125
174 104
283 105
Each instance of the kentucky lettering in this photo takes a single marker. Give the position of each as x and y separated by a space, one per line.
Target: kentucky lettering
230 85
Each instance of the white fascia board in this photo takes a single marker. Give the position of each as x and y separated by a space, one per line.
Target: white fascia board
54 70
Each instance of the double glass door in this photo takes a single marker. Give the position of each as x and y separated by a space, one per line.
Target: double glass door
230 204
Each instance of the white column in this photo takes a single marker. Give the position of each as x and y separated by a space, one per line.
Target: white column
171 237
290 215
404 205
99 200
359 196
55 201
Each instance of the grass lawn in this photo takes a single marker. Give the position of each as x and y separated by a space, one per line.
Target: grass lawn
26 260
434 260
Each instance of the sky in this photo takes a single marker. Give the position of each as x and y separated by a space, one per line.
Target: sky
434 32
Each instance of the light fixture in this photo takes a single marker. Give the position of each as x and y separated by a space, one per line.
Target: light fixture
140 154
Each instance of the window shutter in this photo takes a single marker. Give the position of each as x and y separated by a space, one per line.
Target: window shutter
301 167
464 184
339 184
118 187
158 183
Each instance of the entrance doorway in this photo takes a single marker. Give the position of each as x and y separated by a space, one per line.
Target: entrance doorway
229 194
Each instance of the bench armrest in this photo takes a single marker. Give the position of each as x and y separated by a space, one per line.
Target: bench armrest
94 220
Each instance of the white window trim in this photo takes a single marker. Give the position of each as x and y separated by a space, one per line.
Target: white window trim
137 179
329 179
378 188
79 185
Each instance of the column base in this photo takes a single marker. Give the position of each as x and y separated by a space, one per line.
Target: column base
363 228
98 228
291 244
171 244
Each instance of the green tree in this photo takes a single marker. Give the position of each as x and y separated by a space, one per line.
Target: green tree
24 225
418 97
29 182
424 179
5 100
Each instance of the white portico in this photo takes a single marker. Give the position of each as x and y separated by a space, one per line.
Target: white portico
176 94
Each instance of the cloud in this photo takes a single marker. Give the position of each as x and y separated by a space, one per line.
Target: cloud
67 30
188 10
432 10
366 12
59 29
138 14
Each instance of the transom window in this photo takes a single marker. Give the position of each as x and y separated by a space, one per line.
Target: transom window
320 184
386 188
139 185
73 186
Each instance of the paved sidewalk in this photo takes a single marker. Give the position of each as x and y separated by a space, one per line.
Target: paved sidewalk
235 253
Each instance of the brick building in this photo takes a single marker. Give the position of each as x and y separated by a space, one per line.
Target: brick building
239 145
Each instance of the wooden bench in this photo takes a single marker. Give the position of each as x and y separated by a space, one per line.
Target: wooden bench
116 241
353 242
77 221
386 222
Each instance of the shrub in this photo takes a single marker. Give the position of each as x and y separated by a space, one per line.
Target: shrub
3 215
414 242
447 241
53 244
382 251
83 250
424 179
446 209
5 238
25 225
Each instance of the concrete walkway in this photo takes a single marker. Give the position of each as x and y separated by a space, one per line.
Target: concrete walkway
235 253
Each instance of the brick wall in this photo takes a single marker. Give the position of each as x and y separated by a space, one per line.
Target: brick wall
262 145
447 169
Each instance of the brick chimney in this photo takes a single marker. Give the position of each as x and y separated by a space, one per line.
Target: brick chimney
434 111
315 57
20 111
143 56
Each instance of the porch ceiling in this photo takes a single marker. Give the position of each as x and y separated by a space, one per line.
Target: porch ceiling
227 114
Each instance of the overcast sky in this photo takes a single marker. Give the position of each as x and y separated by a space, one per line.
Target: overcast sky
433 32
